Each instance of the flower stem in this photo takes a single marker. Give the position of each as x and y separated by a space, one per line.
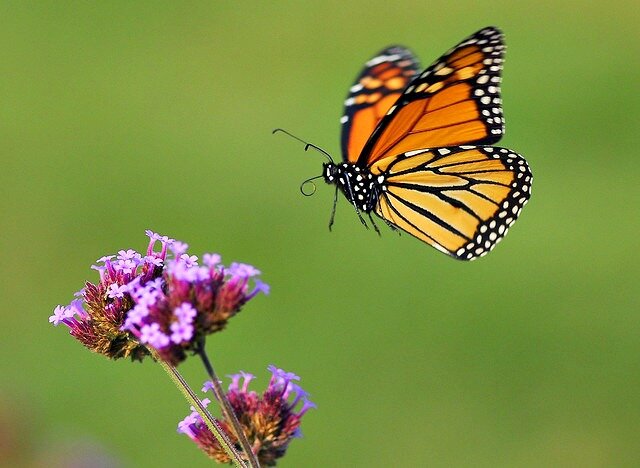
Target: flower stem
227 410
208 419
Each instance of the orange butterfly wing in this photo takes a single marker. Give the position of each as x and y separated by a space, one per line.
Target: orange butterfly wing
455 101
460 200
378 87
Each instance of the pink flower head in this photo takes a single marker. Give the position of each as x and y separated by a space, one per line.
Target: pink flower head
162 299
271 420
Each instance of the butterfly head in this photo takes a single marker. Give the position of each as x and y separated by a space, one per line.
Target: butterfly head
330 172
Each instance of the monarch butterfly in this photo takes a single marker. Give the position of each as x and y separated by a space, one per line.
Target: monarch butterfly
415 148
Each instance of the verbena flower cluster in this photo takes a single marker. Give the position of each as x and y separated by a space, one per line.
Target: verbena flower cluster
165 299
269 421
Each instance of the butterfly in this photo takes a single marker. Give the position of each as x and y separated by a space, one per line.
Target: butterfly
415 147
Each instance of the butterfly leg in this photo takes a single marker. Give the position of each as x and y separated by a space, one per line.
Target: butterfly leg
375 226
353 202
392 226
364 223
333 211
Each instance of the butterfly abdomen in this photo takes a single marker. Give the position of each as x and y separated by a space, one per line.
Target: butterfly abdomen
357 183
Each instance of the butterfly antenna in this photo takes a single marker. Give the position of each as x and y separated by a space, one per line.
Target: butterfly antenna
307 145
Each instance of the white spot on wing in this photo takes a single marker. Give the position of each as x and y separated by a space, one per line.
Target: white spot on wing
414 152
440 248
382 58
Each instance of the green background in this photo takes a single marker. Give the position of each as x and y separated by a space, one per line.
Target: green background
116 117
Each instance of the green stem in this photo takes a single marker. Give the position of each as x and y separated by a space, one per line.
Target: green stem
227 410
208 419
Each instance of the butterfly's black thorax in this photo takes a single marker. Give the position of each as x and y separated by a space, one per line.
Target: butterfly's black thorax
357 183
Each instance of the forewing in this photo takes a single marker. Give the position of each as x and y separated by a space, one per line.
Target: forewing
456 101
460 200
377 88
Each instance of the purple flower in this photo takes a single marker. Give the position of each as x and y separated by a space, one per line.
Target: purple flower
59 314
184 426
235 381
280 377
105 258
157 261
259 287
130 254
242 269
152 334
178 248
211 260
164 242
189 260
127 266
162 299
152 235
208 385
115 290
270 420
185 312
181 332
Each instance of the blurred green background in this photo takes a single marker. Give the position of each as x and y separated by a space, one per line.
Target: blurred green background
116 117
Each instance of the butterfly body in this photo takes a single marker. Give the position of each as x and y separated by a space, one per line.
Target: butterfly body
358 184
416 147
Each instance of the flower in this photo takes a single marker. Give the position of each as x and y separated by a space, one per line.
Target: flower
269 421
163 299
